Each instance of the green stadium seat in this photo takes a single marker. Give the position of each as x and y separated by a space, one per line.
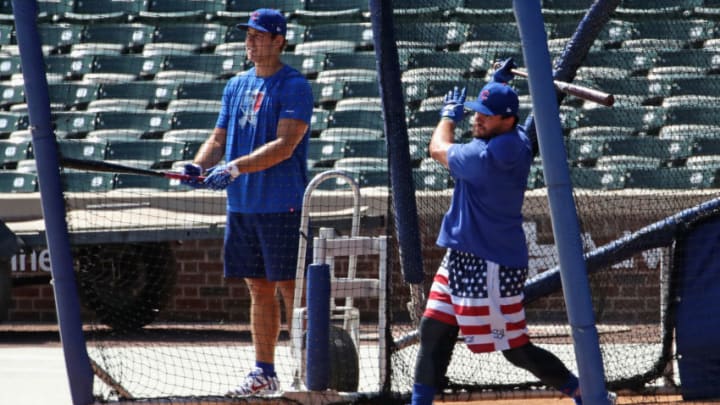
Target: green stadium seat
690 57
187 135
361 34
83 149
707 146
74 123
319 120
17 182
200 36
183 76
9 65
604 132
295 34
234 49
149 121
6 33
67 67
357 89
638 90
422 10
83 182
700 162
679 178
690 100
59 37
471 63
676 34
73 95
194 105
700 114
595 179
615 32
135 66
156 94
163 49
565 10
638 63
194 120
483 11
627 162
325 46
104 11
366 148
648 10
307 64
324 152
124 181
160 11
11 93
670 73
317 12
644 119
689 131
10 121
132 37
287 6
351 133
359 103
584 151
158 151
436 35
12 152
114 135
670 151
356 60
327 93
431 179
356 119
221 66
52 10
418 149
700 86
126 105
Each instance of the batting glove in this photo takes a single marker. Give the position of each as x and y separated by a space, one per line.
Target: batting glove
453 107
192 170
221 176
504 73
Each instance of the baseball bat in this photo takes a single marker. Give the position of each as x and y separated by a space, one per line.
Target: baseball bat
582 92
100 166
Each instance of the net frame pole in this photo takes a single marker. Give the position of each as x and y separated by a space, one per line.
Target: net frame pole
566 229
396 136
67 302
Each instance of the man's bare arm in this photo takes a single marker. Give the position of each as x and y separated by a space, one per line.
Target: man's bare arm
212 150
442 138
290 133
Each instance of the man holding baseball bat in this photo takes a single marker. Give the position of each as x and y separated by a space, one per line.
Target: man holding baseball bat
478 289
262 134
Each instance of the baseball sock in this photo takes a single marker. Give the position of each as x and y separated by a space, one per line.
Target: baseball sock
422 394
267 368
571 389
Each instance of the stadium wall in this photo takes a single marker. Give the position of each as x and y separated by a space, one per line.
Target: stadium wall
202 294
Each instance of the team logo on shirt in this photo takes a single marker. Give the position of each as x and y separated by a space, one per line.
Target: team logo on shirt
250 106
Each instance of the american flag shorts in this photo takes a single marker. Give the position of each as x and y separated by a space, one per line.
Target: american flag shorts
481 297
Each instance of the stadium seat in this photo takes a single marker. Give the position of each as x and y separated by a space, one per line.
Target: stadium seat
437 35
644 119
430 179
325 46
11 93
307 64
638 63
148 121
287 6
366 148
73 95
356 119
83 182
180 10
114 135
201 91
690 57
707 146
12 152
591 178
327 93
324 152
158 151
359 103
356 89
703 162
104 11
134 66
6 33
83 149
604 132
676 34
347 75
360 34
294 35
127 105
190 105
472 63
680 178
351 133
222 66
418 149
699 86
124 181
638 90
356 60
670 151
9 65
627 162
163 49
316 12
65 66
670 73
183 76
689 131
157 95
565 10
584 151
132 37
319 120
59 37
194 120
10 121
700 114
690 100
74 123
187 135
648 10
234 49
12 181
483 11
200 36
421 11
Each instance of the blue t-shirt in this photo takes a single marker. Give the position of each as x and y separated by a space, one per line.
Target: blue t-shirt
485 214
251 109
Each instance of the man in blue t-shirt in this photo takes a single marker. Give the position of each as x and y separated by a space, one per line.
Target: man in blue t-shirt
478 289
261 138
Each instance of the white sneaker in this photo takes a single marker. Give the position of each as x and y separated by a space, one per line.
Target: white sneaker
612 398
256 383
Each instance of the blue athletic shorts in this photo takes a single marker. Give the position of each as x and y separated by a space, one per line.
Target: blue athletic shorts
262 245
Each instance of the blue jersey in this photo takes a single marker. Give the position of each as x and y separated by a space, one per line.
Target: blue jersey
485 214
251 109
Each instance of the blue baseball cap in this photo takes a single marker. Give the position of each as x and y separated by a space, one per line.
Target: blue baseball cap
266 20
495 99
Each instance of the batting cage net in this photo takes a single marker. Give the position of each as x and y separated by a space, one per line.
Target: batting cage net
137 87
